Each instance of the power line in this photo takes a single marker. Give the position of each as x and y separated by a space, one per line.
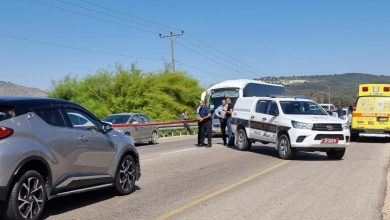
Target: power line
208 58
110 15
218 56
198 68
74 48
129 15
229 59
225 60
221 52
94 17
96 51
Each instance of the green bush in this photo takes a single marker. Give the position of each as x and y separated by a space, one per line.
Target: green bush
161 95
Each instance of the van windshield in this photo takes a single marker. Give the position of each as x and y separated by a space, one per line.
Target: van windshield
6 112
217 95
373 104
301 108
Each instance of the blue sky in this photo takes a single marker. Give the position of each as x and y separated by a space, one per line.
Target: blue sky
272 38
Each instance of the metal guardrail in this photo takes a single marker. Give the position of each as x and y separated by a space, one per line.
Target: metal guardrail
172 127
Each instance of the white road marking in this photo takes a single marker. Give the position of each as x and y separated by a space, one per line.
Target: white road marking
167 153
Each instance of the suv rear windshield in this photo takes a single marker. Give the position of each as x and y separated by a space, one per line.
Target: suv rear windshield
301 108
6 112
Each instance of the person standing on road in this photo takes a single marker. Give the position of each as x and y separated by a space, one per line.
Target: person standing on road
184 118
204 124
220 112
229 113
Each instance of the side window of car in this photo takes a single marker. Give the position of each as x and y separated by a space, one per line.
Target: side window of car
135 119
261 106
51 116
82 120
273 109
144 119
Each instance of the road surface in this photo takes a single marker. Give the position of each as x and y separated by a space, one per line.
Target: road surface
182 181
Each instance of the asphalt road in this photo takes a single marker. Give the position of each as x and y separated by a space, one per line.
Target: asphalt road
181 181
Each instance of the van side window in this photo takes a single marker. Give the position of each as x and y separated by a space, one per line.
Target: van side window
52 117
261 106
273 108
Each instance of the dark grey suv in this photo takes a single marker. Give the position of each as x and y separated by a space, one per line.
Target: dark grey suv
51 148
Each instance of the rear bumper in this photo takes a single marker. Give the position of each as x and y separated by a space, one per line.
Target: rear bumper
3 193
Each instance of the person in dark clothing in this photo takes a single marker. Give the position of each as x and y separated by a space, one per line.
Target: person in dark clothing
221 114
184 117
229 113
205 124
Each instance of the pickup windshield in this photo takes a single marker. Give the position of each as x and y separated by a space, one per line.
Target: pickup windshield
301 108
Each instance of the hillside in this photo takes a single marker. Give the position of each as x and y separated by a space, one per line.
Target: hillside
11 89
343 87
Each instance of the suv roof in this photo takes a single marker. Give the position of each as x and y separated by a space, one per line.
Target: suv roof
24 104
31 101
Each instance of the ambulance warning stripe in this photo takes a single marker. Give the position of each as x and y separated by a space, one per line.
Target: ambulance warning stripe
371 115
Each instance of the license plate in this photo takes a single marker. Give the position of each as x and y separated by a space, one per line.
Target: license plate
382 119
330 141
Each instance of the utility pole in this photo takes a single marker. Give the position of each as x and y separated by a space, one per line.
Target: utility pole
329 94
172 37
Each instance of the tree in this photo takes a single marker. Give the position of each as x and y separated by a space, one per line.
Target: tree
161 95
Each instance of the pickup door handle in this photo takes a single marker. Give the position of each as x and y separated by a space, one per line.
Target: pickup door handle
264 119
252 117
83 138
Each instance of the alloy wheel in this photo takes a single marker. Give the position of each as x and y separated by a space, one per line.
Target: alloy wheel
30 198
127 175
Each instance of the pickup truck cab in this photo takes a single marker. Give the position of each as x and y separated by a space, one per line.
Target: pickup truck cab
292 124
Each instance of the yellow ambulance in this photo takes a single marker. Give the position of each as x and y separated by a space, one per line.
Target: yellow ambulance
371 111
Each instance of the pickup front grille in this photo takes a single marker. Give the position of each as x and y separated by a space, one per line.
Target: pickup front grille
327 127
331 136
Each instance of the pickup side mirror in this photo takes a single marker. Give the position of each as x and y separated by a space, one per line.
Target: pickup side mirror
107 127
134 122
273 113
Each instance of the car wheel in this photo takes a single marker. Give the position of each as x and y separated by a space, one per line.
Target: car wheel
335 154
154 138
125 176
284 148
242 143
27 198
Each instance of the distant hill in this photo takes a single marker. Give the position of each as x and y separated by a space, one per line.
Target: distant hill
343 87
11 89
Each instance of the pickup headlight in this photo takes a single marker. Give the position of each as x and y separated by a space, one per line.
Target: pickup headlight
301 125
345 126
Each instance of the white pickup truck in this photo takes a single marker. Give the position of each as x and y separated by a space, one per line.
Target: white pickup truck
292 123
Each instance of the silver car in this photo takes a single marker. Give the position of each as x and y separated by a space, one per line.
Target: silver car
136 125
51 148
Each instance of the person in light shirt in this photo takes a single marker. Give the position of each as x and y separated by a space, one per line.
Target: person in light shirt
220 112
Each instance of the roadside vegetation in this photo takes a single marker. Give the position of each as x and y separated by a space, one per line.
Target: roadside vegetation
160 95
343 87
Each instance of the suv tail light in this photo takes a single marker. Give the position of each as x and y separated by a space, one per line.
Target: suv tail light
5 132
